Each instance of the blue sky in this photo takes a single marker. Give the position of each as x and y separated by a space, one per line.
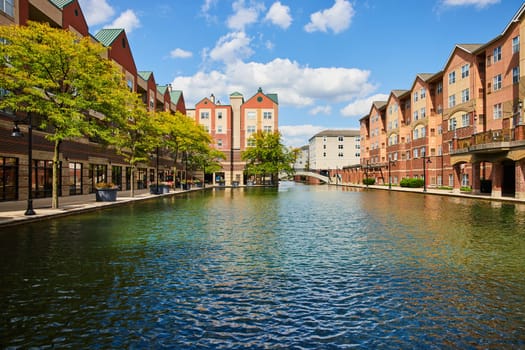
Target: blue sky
326 59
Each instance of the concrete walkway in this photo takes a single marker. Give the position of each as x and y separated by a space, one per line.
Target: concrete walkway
13 212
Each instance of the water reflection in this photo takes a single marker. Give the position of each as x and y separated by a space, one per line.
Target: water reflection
302 267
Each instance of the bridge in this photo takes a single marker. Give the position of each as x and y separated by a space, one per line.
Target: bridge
302 172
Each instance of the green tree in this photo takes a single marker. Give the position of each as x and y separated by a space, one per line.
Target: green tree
60 77
137 134
268 156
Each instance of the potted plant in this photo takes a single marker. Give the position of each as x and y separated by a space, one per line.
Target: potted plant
162 188
106 192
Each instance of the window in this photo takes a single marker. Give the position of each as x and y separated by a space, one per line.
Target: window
423 93
423 113
465 95
267 115
219 129
267 128
440 130
205 115
251 115
451 78
451 180
7 6
219 143
416 115
440 150
116 176
465 120
516 44
497 111
250 129
439 109
439 88
416 96
465 70
340 155
219 115
8 178
464 180
324 154
416 134
251 142
496 54
496 82
340 139
516 75
416 153
451 101
340 146
452 124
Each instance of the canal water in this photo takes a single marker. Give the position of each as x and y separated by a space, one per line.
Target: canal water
302 267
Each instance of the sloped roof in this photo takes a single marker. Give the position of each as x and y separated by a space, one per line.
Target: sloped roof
175 95
336 133
398 93
107 36
236 94
273 97
61 3
425 76
162 89
379 104
145 74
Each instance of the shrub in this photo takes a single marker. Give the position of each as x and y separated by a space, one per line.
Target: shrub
369 181
412 183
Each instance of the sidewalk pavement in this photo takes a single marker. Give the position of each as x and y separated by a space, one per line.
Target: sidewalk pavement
13 212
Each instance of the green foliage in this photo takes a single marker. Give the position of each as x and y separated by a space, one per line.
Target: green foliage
269 155
61 77
369 181
411 182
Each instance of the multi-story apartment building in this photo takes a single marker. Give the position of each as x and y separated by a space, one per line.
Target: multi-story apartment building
334 149
83 162
231 127
461 127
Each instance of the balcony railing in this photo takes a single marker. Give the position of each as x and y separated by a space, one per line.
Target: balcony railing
491 140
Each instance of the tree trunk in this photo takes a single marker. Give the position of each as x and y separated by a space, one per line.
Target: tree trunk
132 178
56 176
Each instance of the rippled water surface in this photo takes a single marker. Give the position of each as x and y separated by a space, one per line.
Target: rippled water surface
299 268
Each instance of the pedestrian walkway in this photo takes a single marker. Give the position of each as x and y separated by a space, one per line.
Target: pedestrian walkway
13 212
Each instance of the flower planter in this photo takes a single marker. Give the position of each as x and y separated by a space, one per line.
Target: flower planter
106 194
162 189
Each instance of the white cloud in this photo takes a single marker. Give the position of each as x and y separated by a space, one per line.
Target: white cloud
337 18
476 3
96 11
127 20
296 85
232 47
279 15
321 110
180 53
243 16
298 135
361 107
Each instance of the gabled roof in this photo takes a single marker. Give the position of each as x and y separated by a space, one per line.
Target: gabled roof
175 95
379 104
61 3
425 76
162 89
273 97
469 48
399 93
145 74
236 94
107 36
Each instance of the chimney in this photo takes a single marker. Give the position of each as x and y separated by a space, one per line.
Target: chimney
212 98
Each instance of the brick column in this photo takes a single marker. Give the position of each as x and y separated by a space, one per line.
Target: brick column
476 174
457 178
497 178
520 179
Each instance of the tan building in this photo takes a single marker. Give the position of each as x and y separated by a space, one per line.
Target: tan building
334 149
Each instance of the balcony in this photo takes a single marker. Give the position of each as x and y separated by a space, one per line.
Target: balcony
493 141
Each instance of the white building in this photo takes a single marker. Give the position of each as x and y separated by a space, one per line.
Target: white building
302 158
334 149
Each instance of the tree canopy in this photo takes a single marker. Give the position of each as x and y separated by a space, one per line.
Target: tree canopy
268 156
61 77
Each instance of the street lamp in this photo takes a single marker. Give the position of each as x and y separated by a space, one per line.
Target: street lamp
17 133
390 163
425 161
366 172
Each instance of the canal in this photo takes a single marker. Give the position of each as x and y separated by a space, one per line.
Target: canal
302 267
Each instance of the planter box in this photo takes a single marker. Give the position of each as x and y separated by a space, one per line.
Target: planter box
162 189
106 195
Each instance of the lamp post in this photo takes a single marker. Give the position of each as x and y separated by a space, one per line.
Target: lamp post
425 161
366 172
157 191
17 133
390 163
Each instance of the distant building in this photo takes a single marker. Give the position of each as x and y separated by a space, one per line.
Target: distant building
302 161
232 125
334 149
